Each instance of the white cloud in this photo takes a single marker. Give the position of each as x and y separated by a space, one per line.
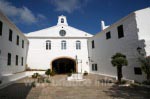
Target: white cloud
23 15
68 5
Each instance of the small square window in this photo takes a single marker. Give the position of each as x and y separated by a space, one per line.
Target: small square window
137 71
94 67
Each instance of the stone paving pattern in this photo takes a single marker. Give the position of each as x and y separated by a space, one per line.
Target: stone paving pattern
90 88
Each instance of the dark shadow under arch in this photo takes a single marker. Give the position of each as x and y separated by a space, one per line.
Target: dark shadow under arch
64 65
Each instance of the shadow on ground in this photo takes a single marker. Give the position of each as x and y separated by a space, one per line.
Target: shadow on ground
15 91
128 92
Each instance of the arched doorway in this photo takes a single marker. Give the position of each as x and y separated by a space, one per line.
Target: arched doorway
64 65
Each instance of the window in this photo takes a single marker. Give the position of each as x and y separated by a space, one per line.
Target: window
62 32
48 45
63 45
94 67
17 41
10 35
120 31
137 71
78 45
108 35
1 27
62 20
22 43
9 59
93 45
22 61
0 53
16 60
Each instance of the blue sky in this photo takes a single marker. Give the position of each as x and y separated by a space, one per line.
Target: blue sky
33 15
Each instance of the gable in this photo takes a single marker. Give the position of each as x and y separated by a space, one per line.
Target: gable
54 32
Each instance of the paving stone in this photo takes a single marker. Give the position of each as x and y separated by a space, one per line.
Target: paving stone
90 88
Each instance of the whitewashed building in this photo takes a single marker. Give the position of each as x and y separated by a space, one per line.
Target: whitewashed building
61 48
13 48
126 36
65 49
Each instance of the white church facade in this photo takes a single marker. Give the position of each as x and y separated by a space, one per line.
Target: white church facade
61 48
66 49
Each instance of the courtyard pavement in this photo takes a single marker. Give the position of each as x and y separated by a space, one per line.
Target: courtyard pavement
60 88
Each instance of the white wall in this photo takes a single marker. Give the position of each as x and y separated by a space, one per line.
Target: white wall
143 25
105 49
7 46
40 58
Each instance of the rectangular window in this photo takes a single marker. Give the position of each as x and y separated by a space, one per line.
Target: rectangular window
108 35
120 31
63 45
48 45
93 45
9 59
1 27
94 67
137 71
22 43
17 41
78 45
10 35
16 60
22 61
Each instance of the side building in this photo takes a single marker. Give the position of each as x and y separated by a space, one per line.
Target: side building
126 36
13 47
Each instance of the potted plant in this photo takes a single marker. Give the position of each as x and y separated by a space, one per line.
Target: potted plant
48 72
85 73
119 60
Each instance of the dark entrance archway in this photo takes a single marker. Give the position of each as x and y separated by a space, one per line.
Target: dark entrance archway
64 65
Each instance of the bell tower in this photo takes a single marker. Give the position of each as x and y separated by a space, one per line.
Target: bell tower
62 20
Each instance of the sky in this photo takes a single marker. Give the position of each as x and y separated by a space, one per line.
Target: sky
86 15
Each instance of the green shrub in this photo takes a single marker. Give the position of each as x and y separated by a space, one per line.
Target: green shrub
48 71
85 73
35 75
48 81
147 82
